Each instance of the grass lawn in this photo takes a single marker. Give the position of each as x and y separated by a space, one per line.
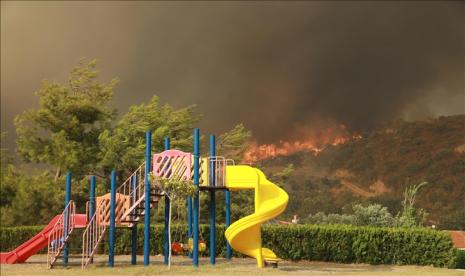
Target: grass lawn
36 265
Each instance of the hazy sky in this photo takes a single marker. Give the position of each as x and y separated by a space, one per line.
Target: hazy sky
275 66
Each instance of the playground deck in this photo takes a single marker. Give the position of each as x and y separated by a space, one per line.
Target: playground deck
36 265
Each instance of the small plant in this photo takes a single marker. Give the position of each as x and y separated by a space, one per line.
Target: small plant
173 188
410 216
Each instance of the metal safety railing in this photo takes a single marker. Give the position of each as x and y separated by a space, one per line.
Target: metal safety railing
97 225
217 170
94 233
135 191
60 233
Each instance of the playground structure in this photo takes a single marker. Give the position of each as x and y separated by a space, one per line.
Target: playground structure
131 203
55 235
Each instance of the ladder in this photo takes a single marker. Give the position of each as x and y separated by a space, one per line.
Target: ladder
60 233
130 207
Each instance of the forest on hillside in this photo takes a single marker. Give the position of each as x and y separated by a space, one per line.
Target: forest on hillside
379 167
76 129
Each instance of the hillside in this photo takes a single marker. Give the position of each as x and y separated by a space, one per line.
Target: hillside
378 167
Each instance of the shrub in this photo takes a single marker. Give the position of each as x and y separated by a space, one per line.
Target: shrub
459 259
336 243
372 215
322 218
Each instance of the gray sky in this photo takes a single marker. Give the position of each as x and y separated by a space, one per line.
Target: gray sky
276 66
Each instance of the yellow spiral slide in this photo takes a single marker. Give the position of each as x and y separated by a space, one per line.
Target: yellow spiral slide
244 235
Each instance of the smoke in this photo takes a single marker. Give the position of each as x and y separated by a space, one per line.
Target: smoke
276 66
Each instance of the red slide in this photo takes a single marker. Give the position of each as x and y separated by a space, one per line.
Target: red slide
36 243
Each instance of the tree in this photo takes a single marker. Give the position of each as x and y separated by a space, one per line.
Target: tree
36 199
124 146
7 189
63 132
322 218
373 215
74 129
410 216
284 175
234 143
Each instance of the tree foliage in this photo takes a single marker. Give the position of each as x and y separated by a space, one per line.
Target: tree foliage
124 146
411 216
234 143
74 128
373 215
175 187
35 199
284 175
7 172
63 132
376 214
370 215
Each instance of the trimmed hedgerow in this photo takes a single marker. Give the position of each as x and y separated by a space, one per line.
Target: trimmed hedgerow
459 258
335 243
349 244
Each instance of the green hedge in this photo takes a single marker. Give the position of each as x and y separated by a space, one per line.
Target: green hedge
459 258
336 243
349 244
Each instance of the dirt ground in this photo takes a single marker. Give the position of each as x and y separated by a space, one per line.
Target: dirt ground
36 265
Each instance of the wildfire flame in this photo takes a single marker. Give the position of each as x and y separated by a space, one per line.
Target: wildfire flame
311 143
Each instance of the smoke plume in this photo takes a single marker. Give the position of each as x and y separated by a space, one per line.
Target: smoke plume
278 67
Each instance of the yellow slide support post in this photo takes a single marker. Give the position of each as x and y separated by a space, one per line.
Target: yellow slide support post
244 235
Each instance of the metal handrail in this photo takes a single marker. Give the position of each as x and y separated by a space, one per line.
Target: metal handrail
60 233
97 225
218 165
126 187
93 234
135 194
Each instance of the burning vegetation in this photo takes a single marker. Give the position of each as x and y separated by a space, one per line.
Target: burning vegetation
313 141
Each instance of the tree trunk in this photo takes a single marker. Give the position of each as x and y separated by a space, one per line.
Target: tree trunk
57 174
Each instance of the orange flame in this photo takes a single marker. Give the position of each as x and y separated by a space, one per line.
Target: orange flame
312 143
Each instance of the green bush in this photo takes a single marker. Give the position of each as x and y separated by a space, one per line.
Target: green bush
459 259
335 243
11 237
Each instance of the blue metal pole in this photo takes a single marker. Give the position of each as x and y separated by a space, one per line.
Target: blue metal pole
112 232
134 227
167 215
66 219
212 201
148 153
195 252
91 200
92 197
228 221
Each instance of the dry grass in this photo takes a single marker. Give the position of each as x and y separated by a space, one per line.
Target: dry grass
182 266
